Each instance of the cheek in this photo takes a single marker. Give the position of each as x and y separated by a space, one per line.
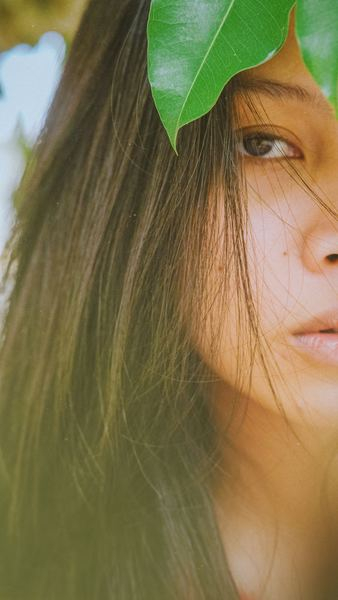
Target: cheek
222 333
278 215
274 266
226 336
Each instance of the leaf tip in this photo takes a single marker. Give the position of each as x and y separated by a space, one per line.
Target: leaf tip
173 141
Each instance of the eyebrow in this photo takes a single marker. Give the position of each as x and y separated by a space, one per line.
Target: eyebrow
280 90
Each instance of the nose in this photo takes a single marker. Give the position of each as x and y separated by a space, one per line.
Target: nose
320 251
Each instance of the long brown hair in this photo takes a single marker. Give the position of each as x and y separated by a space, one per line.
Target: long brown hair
108 446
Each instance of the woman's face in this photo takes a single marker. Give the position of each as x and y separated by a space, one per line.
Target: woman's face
292 244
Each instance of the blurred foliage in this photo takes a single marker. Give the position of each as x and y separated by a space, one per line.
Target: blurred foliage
24 21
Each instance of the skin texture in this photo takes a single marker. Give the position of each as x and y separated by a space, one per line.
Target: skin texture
279 466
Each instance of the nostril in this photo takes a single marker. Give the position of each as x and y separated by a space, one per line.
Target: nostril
332 258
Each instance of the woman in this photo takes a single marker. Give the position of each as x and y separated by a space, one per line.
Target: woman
168 360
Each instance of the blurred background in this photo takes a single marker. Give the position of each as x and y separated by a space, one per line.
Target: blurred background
35 36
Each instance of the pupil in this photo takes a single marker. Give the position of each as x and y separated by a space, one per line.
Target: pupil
257 146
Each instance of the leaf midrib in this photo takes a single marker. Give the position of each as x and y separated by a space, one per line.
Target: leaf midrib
204 60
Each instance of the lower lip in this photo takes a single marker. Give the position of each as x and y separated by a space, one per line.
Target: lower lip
322 346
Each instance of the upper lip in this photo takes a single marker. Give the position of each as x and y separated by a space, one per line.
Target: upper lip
323 322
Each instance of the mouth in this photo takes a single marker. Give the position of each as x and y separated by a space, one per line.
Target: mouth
319 338
328 330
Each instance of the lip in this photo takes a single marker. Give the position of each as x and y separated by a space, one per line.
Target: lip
325 320
313 337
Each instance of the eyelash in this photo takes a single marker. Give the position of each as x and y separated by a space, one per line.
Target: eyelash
280 141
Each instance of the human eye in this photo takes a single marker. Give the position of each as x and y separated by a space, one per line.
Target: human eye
266 146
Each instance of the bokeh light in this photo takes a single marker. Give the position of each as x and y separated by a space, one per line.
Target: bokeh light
28 80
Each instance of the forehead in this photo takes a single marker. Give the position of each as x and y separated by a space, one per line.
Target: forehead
287 66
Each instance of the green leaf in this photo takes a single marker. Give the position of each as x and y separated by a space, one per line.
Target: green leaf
196 46
317 33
